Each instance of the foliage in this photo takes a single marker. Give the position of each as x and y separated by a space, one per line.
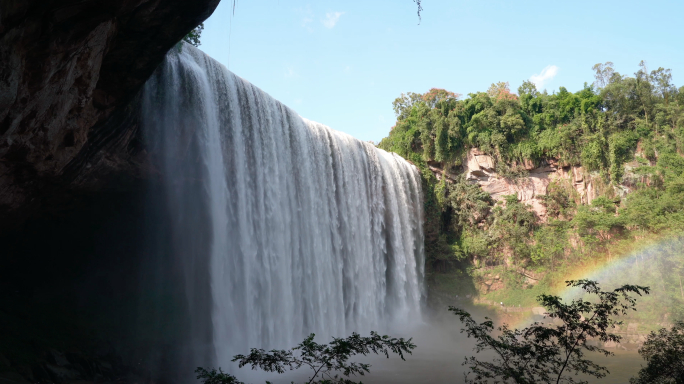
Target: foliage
663 353
550 352
470 205
329 362
193 37
603 130
512 224
437 95
604 72
403 104
501 91
550 242
557 201
216 377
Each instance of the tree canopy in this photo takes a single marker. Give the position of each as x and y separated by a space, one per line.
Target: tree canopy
626 132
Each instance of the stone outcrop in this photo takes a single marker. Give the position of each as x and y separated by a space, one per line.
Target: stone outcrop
480 168
491 282
67 67
530 188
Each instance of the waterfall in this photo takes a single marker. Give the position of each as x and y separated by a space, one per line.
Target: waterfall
283 226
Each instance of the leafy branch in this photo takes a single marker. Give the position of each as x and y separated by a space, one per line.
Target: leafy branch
551 353
329 362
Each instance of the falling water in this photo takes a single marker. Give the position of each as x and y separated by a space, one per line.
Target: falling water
290 226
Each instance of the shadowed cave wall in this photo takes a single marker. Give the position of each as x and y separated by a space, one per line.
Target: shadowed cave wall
85 283
90 290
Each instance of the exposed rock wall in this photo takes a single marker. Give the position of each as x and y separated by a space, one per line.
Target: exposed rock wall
480 168
66 66
72 166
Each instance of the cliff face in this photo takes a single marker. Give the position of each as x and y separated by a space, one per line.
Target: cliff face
69 68
72 207
530 189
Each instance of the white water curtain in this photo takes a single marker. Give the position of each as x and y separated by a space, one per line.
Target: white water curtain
297 228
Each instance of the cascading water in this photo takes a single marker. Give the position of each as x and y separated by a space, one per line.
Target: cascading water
292 227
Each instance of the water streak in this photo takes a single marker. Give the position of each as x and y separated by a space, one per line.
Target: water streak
297 228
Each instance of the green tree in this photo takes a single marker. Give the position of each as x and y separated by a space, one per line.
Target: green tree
663 353
512 225
550 353
403 104
469 203
437 95
603 74
329 362
528 88
644 90
662 81
500 90
557 200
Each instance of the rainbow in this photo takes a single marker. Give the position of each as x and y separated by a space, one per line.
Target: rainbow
658 263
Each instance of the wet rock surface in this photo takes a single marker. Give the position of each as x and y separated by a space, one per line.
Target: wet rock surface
67 67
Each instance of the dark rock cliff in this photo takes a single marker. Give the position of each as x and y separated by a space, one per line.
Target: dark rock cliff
84 296
66 67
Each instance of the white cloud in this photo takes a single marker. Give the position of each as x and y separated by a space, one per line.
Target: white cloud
331 18
307 17
289 72
544 77
347 69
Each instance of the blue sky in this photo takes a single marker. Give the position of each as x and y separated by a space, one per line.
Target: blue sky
342 63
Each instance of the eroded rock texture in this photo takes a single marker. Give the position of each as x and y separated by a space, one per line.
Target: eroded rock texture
66 66
480 169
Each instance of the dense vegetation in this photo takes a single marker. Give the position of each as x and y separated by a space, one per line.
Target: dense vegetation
663 354
626 132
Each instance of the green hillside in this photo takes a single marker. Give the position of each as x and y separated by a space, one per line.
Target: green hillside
626 133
